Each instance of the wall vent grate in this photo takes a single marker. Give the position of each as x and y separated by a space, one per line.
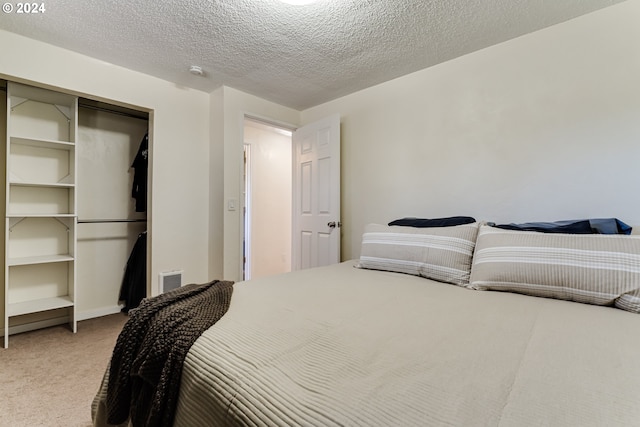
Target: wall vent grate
170 280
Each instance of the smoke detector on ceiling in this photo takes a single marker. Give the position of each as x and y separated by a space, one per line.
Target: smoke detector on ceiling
196 70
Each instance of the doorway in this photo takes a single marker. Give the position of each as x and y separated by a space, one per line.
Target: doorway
267 199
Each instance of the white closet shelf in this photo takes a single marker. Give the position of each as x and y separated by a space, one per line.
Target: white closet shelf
42 143
21 91
42 259
33 306
44 215
41 184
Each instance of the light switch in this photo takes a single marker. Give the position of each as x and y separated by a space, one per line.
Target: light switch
232 204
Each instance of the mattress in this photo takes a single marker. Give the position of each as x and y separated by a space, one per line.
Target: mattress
341 346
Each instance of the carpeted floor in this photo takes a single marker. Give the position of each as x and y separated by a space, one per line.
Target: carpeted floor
48 377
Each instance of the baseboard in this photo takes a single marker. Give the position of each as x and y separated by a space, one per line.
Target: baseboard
55 321
32 326
99 312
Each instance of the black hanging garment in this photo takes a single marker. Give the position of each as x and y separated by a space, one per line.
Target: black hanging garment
134 282
141 164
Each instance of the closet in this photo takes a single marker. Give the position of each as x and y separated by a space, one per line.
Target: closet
109 220
70 218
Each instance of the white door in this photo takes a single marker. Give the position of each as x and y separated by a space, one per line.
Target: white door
316 194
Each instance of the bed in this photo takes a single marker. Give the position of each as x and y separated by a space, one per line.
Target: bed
345 345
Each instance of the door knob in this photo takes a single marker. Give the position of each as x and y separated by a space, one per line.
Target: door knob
334 224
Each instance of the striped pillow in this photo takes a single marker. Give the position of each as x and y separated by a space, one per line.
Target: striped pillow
587 268
441 253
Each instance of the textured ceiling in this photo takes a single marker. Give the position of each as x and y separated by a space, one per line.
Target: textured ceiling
298 56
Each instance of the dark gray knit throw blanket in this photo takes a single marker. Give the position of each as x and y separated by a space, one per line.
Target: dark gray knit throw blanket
146 365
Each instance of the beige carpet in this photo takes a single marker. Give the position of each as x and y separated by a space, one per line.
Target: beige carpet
49 377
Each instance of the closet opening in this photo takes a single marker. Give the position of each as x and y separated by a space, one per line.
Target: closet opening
112 251
267 198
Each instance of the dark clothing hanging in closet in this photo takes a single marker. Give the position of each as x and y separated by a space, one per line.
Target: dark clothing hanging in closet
134 282
141 165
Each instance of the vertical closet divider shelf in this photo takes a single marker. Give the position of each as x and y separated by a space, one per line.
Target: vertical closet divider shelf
41 207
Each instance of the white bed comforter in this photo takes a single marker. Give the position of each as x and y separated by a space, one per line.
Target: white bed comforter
344 346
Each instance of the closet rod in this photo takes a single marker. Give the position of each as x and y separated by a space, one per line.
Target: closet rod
98 221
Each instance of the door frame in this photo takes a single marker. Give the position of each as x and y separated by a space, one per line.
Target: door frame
241 199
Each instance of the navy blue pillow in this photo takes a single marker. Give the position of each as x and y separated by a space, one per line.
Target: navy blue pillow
435 222
582 226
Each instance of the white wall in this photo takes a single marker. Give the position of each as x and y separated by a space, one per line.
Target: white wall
179 154
231 106
216 185
543 127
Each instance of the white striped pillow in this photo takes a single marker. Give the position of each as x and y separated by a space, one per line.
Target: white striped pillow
440 253
589 268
